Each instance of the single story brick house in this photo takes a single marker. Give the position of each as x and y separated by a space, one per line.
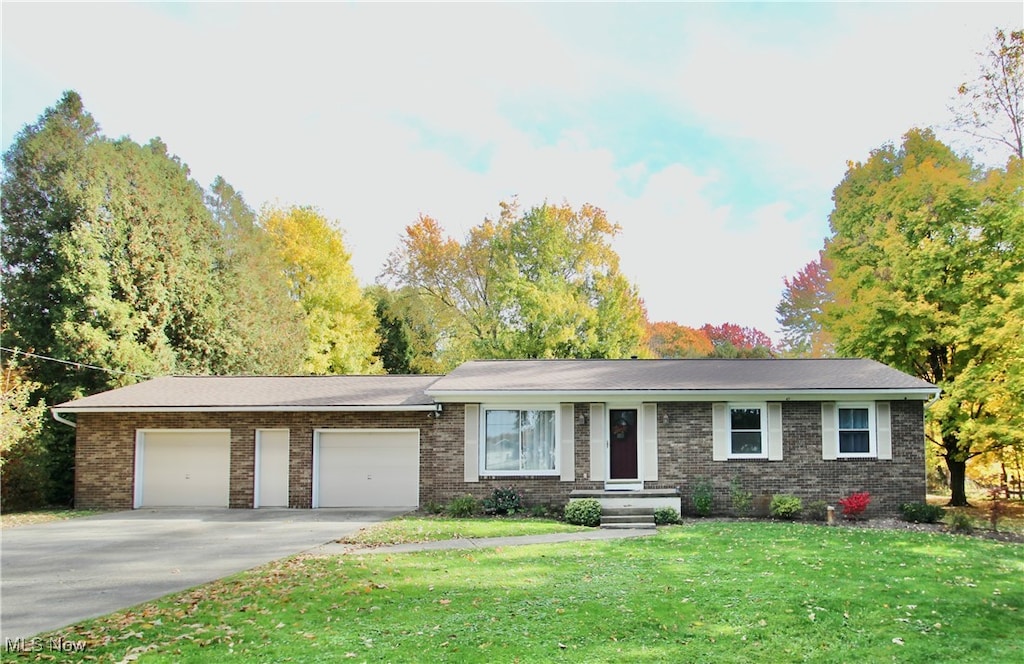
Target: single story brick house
816 428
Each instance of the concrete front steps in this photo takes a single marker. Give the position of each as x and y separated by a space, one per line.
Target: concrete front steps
631 509
627 517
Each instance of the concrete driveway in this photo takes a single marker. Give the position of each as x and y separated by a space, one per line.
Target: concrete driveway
59 573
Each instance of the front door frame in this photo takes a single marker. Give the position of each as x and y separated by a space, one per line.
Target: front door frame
625 484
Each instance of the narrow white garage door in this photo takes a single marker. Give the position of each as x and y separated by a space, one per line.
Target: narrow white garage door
272 468
379 468
182 468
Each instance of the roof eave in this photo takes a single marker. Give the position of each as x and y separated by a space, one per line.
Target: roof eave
457 396
247 409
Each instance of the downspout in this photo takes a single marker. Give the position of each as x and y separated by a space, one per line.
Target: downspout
63 420
931 402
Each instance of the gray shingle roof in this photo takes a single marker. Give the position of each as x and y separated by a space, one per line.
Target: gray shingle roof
484 378
262 392
674 375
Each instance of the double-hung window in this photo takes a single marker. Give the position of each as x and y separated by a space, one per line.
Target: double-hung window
856 430
748 431
520 441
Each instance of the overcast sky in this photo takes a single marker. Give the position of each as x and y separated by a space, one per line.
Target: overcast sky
712 133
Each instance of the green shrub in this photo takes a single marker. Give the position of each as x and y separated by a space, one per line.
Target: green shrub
742 501
584 512
504 501
816 510
542 511
921 512
703 497
666 516
433 507
762 503
960 523
463 506
785 506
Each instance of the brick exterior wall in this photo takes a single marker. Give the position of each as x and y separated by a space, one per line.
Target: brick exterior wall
105 449
685 457
105 456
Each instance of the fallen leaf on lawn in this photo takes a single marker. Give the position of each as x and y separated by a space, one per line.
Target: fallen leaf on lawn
444 601
898 641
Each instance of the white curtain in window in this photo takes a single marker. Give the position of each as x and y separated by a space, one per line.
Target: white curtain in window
538 439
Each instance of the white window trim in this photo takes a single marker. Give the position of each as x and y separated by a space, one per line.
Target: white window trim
764 429
872 434
555 472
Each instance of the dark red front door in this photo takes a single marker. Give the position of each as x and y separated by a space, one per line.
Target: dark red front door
623 434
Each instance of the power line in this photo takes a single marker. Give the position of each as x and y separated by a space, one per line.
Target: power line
77 365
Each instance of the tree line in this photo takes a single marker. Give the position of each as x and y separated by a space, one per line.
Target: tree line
118 265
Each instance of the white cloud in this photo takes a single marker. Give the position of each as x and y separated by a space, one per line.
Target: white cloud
369 111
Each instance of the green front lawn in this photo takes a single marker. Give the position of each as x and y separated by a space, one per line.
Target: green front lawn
701 592
406 529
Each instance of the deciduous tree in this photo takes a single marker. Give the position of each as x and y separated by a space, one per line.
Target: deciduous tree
991 107
544 283
730 340
799 312
672 340
263 331
23 476
341 335
924 251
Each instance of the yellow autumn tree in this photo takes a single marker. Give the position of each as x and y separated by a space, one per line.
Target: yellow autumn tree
341 328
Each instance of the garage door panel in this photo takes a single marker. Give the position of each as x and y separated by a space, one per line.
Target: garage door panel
273 467
367 469
190 469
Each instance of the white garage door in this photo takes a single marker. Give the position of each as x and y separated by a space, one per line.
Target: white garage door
183 468
367 468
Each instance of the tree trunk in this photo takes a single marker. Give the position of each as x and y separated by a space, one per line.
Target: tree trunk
957 478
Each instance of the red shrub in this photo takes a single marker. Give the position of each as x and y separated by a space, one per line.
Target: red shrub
855 503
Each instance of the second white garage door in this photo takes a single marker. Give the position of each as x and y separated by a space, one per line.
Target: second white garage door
367 468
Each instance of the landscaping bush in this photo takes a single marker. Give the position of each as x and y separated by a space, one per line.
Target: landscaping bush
584 512
666 516
544 512
921 512
762 503
433 507
703 496
960 523
855 504
742 501
463 506
785 506
504 501
816 510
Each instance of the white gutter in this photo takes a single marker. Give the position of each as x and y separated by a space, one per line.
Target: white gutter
420 408
63 420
